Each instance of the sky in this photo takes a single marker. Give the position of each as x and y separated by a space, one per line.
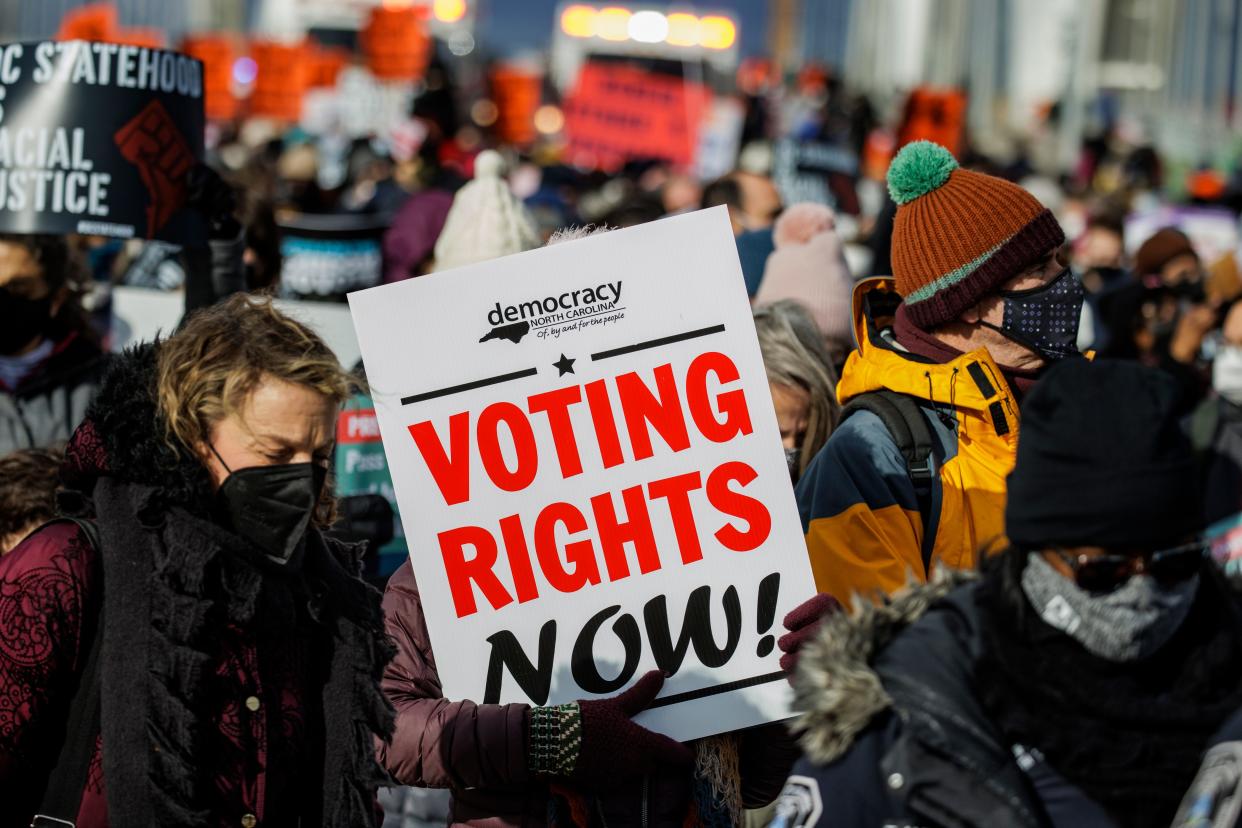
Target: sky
510 26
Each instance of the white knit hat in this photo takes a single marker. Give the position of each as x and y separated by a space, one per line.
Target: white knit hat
486 221
808 266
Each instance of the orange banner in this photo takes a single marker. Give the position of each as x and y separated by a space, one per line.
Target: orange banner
616 113
396 43
934 115
95 21
517 93
326 63
217 54
281 81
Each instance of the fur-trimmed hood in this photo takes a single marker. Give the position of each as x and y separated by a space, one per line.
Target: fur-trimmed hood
835 684
123 437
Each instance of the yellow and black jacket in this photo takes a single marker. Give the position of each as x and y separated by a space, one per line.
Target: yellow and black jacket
859 506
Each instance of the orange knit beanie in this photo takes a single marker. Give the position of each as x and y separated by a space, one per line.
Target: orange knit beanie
959 235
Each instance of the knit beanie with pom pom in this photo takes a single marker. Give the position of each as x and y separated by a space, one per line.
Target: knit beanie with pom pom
808 266
486 220
958 234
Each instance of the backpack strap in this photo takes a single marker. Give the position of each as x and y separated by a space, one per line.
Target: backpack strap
906 423
62 798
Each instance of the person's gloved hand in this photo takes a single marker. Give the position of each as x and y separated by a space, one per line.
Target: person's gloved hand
802 622
595 742
209 194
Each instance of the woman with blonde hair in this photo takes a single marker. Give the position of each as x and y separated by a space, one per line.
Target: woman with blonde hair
216 656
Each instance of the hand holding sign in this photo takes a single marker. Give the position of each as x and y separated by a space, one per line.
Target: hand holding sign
602 492
595 742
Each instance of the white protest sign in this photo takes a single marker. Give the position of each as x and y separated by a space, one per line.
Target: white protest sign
582 441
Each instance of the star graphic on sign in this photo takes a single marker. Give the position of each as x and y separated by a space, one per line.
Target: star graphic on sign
565 365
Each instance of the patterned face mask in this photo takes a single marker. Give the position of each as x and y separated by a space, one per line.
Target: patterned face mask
1045 319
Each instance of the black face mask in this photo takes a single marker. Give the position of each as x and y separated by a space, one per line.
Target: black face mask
1194 293
21 320
1044 319
271 506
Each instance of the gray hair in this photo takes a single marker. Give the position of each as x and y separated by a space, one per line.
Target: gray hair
794 354
566 234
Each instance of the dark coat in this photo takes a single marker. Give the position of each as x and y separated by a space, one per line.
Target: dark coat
893 732
233 692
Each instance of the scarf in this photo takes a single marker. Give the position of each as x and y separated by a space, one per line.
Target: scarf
172 579
1129 735
918 341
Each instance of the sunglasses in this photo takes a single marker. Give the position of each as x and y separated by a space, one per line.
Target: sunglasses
1105 573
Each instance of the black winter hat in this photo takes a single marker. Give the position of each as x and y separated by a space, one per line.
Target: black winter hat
1102 461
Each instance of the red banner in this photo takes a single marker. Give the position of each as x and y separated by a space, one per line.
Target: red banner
617 113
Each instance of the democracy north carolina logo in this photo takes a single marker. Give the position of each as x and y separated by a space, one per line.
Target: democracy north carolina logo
554 313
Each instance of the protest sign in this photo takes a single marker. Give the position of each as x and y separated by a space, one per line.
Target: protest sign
282 76
97 138
361 468
396 43
801 170
517 91
583 445
1212 230
326 256
616 113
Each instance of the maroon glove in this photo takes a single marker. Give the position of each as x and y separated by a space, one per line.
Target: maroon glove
802 623
596 743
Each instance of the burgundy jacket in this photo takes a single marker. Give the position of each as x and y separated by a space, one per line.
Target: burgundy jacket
478 751
49 597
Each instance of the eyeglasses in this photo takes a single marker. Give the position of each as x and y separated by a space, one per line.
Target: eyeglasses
1105 573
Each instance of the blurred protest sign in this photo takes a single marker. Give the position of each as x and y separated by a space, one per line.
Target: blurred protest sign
358 105
361 468
327 256
282 76
617 112
586 435
93 21
141 314
97 138
517 92
217 55
396 43
801 170
933 114
1212 230
720 139
99 22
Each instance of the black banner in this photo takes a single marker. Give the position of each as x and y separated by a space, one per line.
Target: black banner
97 138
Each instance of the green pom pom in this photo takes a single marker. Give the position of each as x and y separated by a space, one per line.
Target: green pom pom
919 168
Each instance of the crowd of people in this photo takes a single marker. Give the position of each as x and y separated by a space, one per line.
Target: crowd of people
1008 446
